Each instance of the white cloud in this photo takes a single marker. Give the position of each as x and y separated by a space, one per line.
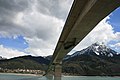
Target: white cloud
117 35
118 44
39 51
39 47
9 53
40 22
103 32
115 45
43 37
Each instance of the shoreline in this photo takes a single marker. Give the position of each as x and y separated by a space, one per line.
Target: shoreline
25 74
87 76
22 74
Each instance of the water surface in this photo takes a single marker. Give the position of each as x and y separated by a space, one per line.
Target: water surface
6 76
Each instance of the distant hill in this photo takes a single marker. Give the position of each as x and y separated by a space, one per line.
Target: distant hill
96 59
25 62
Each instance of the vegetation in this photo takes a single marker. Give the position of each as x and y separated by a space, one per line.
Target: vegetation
85 62
88 65
25 62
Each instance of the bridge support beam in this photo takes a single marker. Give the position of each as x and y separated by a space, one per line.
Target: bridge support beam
58 72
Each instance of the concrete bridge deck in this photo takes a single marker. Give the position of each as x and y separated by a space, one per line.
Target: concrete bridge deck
83 17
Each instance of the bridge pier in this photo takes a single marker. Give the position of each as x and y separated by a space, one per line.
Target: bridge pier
58 72
50 75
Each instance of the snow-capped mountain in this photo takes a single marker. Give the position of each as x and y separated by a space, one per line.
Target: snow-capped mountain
95 60
98 49
1 58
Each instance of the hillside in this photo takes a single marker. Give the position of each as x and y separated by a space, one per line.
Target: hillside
25 62
96 59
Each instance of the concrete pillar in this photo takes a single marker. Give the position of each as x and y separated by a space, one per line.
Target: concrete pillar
58 72
50 76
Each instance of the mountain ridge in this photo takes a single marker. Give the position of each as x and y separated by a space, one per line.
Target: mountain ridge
25 62
96 49
95 60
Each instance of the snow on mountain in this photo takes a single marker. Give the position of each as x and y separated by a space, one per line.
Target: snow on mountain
1 58
99 49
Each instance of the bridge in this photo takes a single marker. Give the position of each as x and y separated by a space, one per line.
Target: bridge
83 17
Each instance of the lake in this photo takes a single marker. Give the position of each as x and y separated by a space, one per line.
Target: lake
6 76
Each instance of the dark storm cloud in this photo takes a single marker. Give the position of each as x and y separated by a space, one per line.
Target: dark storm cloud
14 5
8 8
46 10
8 11
57 8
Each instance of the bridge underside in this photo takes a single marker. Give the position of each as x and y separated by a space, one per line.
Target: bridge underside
83 17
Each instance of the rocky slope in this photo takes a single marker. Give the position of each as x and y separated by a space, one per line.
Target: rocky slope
96 59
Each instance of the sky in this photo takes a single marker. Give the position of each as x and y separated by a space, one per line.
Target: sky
33 27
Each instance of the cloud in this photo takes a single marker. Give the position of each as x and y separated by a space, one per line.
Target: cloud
56 8
40 22
117 36
44 34
103 32
9 53
39 47
8 12
116 46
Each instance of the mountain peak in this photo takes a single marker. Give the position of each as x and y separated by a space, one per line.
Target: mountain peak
98 43
98 49
102 50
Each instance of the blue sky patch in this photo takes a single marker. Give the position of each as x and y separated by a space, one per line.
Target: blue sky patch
115 20
18 43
